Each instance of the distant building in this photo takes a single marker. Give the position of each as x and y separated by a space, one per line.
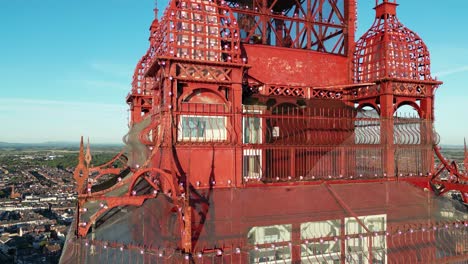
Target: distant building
52 249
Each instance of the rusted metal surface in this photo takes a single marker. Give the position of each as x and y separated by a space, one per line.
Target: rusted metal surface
256 113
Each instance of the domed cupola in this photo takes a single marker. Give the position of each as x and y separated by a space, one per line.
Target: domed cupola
389 50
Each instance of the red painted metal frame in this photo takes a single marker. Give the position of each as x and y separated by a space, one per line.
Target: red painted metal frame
238 253
401 54
197 69
313 25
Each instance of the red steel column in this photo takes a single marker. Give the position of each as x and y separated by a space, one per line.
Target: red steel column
427 138
296 243
237 124
386 130
350 30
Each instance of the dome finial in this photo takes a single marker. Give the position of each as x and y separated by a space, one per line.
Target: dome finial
155 23
156 10
384 8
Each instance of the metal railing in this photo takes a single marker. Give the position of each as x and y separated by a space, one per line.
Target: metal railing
289 143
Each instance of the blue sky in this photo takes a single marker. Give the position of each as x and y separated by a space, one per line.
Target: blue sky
66 66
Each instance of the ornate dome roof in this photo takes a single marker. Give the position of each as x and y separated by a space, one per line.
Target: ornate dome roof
390 50
198 30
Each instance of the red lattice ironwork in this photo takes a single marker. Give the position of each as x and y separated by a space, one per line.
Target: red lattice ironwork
410 89
449 234
197 30
245 115
306 24
203 73
390 50
336 93
448 177
140 98
285 90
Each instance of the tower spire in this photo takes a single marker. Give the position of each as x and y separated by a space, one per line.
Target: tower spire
88 156
81 156
81 171
154 24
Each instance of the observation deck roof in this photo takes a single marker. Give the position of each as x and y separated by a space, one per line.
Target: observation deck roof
408 222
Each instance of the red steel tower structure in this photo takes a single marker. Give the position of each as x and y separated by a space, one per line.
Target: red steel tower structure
262 132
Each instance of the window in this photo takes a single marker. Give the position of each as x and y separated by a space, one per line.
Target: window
261 235
326 252
252 164
252 134
252 130
357 249
202 128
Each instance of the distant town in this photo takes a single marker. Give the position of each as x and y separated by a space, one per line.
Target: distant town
38 199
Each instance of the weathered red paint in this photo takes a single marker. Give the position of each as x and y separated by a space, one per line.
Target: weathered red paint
252 115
